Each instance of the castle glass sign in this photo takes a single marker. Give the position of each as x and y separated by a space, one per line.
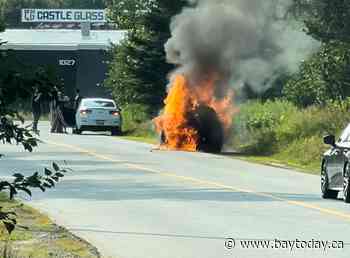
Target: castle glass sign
64 15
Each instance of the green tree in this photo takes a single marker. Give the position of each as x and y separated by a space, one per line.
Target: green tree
130 14
138 72
325 76
325 20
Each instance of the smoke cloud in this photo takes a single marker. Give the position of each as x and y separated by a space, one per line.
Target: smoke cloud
241 41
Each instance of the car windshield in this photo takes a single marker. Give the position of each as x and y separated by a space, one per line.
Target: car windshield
99 104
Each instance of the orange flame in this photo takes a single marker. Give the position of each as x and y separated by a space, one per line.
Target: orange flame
183 99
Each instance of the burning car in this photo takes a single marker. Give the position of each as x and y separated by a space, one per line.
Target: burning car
206 123
194 119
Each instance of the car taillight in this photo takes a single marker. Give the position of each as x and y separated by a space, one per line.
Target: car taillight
114 113
85 112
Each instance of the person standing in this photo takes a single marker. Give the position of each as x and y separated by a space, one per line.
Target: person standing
77 100
36 109
59 124
53 104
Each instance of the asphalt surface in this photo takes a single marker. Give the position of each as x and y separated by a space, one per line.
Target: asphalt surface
131 202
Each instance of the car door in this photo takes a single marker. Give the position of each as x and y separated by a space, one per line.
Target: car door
332 166
338 159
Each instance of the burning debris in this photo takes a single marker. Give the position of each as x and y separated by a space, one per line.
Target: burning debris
218 46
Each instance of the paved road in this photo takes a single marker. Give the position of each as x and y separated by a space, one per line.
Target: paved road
134 203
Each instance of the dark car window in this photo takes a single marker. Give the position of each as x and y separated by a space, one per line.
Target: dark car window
345 136
98 104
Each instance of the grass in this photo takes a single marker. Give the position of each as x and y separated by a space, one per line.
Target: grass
303 155
279 132
137 124
37 236
283 163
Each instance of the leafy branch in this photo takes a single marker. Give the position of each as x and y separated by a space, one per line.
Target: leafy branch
44 181
10 132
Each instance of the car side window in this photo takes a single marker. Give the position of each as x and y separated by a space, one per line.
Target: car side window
345 136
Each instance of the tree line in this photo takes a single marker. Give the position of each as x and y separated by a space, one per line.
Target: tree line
138 71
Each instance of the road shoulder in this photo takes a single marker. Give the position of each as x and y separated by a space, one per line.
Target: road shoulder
273 161
37 236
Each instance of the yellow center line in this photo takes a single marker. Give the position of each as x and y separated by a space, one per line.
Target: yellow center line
193 180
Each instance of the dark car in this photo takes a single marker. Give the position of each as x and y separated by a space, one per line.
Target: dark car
206 122
335 169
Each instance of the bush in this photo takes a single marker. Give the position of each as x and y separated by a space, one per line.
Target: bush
137 121
279 126
255 125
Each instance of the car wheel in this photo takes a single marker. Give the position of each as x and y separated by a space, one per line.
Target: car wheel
116 131
326 192
346 190
211 133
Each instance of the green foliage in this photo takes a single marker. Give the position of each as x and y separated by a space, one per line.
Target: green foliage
129 14
17 79
136 121
279 128
25 184
325 20
255 125
10 132
326 76
307 87
304 153
16 85
138 73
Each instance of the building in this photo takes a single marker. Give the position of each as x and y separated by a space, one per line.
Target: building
80 60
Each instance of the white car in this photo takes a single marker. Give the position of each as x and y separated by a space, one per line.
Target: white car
97 114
